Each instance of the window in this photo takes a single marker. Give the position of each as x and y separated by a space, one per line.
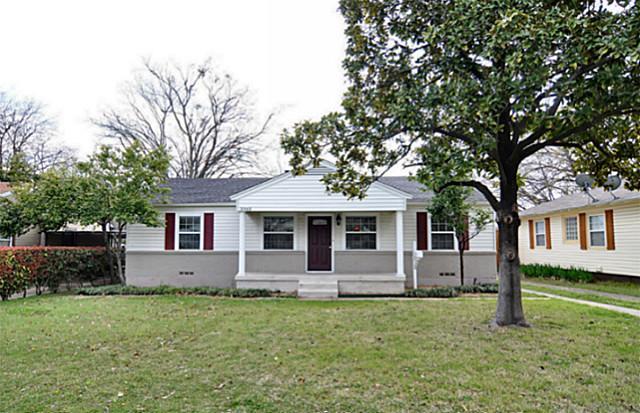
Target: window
541 237
189 232
361 233
571 229
442 235
596 230
278 233
5 242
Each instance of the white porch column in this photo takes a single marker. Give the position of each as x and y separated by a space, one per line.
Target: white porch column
399 244
241 244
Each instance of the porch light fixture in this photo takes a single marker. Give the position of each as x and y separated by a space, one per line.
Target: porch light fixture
338 219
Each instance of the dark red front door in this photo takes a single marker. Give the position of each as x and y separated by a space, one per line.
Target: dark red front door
319 243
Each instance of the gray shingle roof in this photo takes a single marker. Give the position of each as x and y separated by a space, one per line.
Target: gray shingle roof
206 191
581 200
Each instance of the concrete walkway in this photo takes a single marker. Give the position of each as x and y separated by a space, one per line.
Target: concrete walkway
622 297
616 308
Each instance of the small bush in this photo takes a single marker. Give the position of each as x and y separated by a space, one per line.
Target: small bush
168 290
14 276
478 289
551 271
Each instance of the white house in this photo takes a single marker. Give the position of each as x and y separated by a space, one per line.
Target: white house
288 233
601 235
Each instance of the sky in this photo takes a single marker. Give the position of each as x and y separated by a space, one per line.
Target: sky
75 56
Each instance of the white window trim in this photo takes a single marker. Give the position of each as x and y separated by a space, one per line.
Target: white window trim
604 230
345 232
177 230
564 228
536 233
278 214
431 232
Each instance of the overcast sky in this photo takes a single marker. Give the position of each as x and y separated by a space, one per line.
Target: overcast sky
73 56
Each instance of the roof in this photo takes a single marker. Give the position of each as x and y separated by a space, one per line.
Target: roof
208 191
582 200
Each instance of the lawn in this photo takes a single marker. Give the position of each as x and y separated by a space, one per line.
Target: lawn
201 354
614 287
585 296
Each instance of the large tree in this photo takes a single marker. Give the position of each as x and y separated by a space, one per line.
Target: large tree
26 138
203 119
474 88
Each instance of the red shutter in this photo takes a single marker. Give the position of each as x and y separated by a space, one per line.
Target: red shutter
532 241
582 218
547 232
208 231
465 236
423 231
611 238
169 231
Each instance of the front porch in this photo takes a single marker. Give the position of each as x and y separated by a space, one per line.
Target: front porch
324 285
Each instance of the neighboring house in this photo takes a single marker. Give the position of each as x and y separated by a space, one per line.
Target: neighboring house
601 236
71 236
287 233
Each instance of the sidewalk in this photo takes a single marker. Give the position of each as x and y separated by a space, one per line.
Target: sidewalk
616 308
622 297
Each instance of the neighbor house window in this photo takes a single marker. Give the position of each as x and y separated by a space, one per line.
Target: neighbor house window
442 235
541 236
361 233
571 229
596 230
189 232
278 233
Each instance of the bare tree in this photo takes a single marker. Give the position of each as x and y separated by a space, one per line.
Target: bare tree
26 133
547 175
203 119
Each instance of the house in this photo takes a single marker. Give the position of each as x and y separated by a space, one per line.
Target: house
599 232
288 233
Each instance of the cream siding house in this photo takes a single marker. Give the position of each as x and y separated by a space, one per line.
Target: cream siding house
601 236
288 233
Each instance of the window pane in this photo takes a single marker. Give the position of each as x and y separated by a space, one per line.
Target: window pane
190 224
441 226
189 242
540 227
540 240
596 222
442 241
278 224
278 241
361 241
361 224
571 228
597 239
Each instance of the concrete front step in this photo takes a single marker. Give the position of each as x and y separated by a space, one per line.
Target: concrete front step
318 289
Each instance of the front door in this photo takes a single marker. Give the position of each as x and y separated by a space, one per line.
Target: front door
319 243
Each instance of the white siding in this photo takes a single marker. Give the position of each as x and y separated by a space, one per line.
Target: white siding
484 241
624 260
307 193
225 231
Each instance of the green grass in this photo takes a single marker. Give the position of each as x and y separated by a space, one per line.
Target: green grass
614 287
202 354
584 296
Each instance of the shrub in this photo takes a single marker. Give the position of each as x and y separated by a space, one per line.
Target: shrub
552 271
478 289
50 267
168 290
450 292
14 276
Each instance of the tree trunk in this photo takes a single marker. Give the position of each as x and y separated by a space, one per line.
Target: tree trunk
509 310
107 246
118 255
461 259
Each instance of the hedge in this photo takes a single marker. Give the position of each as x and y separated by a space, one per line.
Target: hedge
552 271
449 292
49 267
168 290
